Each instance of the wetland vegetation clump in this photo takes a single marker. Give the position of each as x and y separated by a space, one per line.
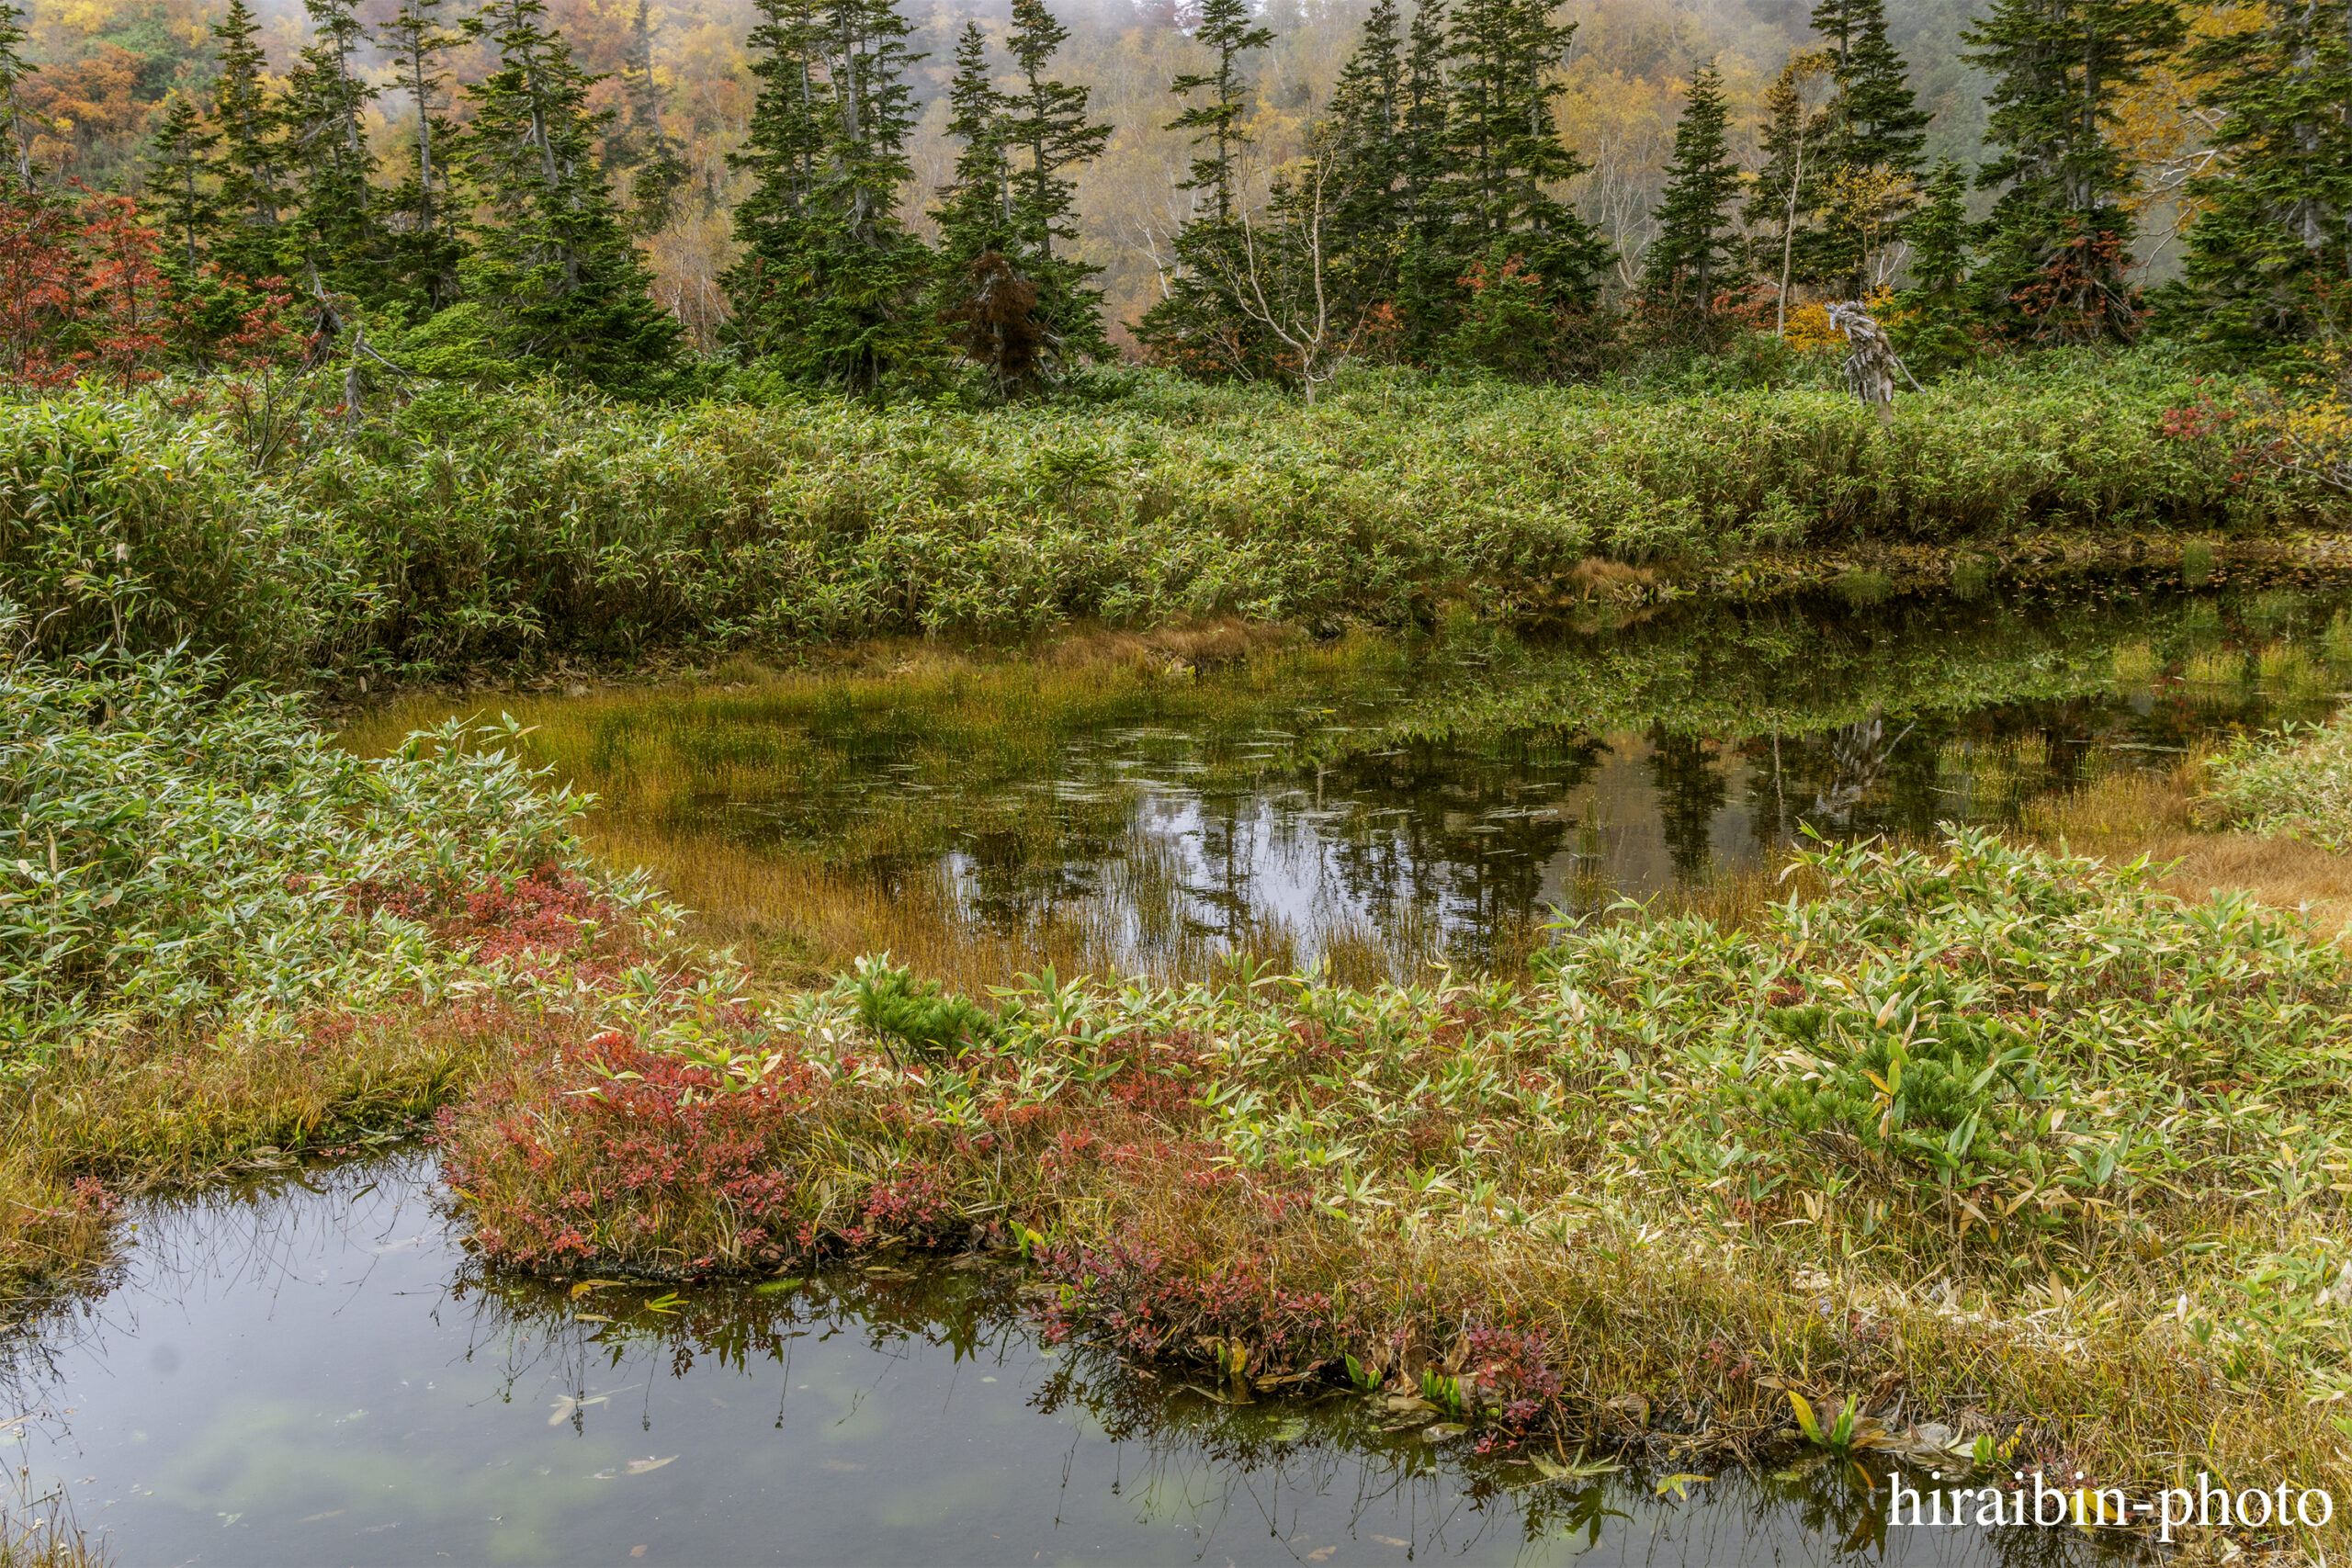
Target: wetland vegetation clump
2295 783
536 523
223 933
2004 1139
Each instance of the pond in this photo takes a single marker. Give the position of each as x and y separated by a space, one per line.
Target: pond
1380 805
309 1368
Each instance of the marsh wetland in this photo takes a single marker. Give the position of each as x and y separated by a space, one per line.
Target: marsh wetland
313 1363
308 1367
1377 805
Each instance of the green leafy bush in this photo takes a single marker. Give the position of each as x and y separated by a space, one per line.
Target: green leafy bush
2296 783
174 854
483 524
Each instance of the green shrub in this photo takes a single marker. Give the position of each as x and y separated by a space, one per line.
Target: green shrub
2295 783
898 1006
486 525
172 854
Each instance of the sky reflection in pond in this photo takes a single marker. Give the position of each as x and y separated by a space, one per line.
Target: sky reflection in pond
308 1370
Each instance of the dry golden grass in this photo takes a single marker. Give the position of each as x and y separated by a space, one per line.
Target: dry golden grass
2156 813
107 1122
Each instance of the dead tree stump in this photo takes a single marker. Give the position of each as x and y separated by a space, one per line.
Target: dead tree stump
1870 369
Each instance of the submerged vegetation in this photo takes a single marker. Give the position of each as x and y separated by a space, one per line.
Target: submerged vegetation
535 524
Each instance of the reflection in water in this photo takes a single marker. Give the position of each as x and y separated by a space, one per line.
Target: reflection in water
310 1371
1471 791
1387 803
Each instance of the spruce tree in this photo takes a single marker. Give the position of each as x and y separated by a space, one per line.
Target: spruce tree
1215 125
643 150
1366 118
2271 255
1877 135
251 161
180 179
830 283
419 213
787 134
326 138
1047 132
19 124
1199 326
1695 253
2061 234
1428 273
1936 308
1377 165
1505 154
975 214
551 260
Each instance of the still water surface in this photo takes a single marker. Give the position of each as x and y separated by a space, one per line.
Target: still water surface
309 1371
1392 802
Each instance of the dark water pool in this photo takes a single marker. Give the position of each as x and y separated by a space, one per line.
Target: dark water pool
308 1370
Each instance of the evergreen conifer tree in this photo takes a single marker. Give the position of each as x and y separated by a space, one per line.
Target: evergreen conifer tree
251 161
2270 256
1505 154
1367 131
1937 308
1047 132
551 260
326 139
2061 235
1199 326
1427 272
1696 251
19 124
831 283
643 150
1215 125
1877 135
419 213
976 211
785 138
179 178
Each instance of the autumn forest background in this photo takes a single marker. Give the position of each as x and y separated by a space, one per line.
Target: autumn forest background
107 70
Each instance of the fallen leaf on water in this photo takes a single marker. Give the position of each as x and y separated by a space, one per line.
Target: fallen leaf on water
228 1520
1321 1553
641 1466
1408 1401
1680 1482
589 1317
637 1551
1441 1431
1288 1431
567 1405
1388 1540
314 1519
778 1287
